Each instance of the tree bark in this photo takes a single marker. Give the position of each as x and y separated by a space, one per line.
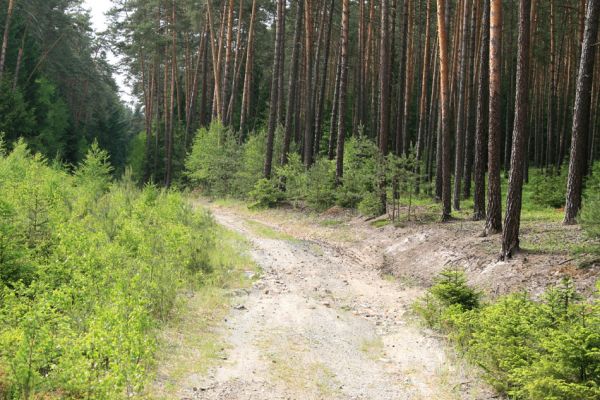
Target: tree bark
512 222
581 116
9 13
274 91
494 210
293 84
248 74
339 170
460 113
481 123
445 104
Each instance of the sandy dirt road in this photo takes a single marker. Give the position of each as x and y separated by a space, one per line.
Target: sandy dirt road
320 324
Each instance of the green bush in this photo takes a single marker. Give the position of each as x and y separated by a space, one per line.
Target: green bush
89 268
530 350
548 189
293 176
590 212
320 188
265 194
370 205
360 169
252 165
214 160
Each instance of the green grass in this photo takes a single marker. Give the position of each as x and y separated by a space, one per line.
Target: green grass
191 343
266 232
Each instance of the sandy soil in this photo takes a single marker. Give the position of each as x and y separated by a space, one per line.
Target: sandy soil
323 322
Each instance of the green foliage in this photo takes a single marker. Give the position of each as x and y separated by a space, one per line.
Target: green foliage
16 118
136 159
320 189
294 175
451 289
370 204
265 194
214 160
530 350
89 268
360 173
251 170
548 189
590 213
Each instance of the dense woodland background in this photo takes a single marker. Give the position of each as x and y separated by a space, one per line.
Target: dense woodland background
477 108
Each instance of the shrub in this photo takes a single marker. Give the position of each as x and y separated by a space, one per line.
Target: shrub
548 189
252 164
214 160
590 212
89 269
527 349
370 205
320 188
293 177
451 289
360 169
265 194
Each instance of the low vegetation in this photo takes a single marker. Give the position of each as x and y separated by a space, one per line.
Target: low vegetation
90 269
529 349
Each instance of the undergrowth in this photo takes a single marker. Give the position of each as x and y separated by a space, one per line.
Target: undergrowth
530 350
91 268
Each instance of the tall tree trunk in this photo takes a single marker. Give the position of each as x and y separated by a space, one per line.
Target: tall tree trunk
339 170
481 123
248 73
445 103
216 57
472 76
9 13
309 108
402 76
293 84
494 210
423 98
237 64
512 222
581 116
460 113
384 80
333 132
321 95
274 91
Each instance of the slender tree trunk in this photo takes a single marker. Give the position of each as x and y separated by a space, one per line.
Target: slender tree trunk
581 116
321 94
216 56
423 99
402 76
9 13
472 76
494 210
309 109
293 84
384 80
248 74
274 91
460 114
333 132
237 64
445 103
512 222
339 171
482 119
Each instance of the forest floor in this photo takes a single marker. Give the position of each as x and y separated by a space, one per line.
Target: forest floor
329 316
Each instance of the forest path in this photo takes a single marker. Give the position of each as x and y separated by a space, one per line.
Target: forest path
318 324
